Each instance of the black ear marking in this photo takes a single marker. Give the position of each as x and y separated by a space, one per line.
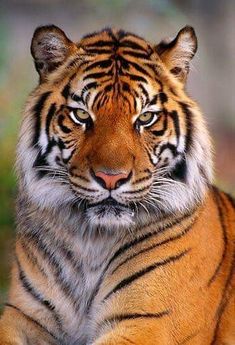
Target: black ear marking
50 47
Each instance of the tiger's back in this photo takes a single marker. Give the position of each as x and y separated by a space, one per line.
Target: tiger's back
122 239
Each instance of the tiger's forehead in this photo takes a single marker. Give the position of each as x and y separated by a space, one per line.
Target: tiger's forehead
118 70
111 39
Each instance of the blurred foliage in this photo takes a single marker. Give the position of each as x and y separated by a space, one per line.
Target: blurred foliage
14 86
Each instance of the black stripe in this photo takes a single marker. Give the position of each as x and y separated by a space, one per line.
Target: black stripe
99 44
224 300
98 51
97 75
95 100
89 86
134 102
37 109
219 201
131 244
129 280
149 153
41 160
155 245
133 45
28 287
170 147
64 128
163 97
136 66
189 126
74 63
127 317
145 237
142 179
31 256
154 100
179 171
175 118
66 160
136 77
131 192
101 101
76 98
29 318
109 87
135 54
66 90
83 188
101 64
144 92
162 131
128 102
52 259
50 114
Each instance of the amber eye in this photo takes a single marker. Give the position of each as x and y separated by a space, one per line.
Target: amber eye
147 119
80 116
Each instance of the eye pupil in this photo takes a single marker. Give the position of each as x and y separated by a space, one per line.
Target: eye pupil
83 115
146 117
80 116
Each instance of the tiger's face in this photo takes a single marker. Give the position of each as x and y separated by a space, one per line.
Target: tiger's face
115 137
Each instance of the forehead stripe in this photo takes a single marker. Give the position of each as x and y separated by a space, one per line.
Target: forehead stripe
101 64
135 54
99 43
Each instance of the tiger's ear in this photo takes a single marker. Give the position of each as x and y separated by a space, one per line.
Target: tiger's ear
177 53
50 47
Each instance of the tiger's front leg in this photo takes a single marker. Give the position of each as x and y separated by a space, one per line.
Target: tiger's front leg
26 320
16 329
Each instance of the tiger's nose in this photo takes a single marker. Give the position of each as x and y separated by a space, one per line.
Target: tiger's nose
111 181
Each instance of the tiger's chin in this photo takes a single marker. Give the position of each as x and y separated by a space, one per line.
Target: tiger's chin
110 216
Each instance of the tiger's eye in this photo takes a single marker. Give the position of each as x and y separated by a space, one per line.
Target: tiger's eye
82 114
146 117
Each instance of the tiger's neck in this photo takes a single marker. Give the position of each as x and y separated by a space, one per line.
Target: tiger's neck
93 247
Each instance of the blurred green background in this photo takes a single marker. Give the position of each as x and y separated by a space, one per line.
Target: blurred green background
211 81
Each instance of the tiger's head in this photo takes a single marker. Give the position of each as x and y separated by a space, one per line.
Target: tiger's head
110 133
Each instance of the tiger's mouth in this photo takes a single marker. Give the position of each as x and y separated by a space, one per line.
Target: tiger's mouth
109 205
110 212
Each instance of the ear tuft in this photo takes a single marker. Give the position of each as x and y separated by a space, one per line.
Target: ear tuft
50 47
177 53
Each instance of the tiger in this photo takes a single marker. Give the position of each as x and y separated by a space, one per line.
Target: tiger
122 238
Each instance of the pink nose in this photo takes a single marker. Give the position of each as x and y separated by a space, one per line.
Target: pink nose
110 181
